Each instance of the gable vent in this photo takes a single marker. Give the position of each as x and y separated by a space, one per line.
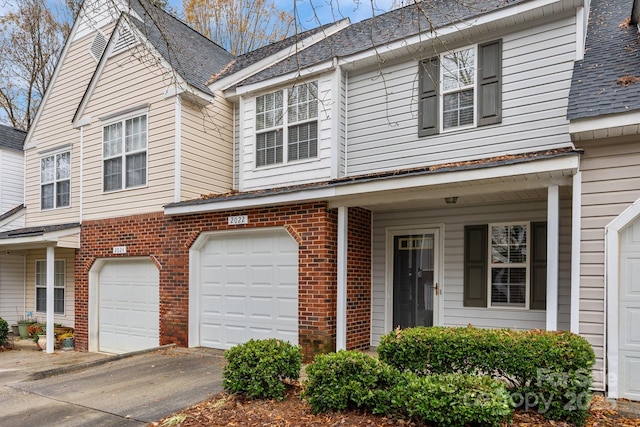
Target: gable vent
98 45
126 40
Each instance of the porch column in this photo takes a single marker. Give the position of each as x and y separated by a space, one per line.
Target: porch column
576 238
50 297
553 214
341 314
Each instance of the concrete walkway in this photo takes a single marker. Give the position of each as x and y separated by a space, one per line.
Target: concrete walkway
79 389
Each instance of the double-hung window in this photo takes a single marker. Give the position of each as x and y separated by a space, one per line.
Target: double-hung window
55 180
125 154
505 265
460 88
58 284
291 116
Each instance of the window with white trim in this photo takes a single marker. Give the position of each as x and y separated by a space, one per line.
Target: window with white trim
298 127
509 264
58 286
458 88
125 154
55 180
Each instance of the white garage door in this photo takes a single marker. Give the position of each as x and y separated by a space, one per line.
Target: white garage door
128 311
248 288
629 338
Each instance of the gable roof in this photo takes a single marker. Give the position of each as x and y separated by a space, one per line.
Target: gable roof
393 26
607 80
193 56
12 138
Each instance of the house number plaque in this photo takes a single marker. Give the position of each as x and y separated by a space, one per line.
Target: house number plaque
119 249
240 219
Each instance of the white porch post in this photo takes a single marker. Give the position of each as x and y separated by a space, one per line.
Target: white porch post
553 209
50 297
576 227
341 315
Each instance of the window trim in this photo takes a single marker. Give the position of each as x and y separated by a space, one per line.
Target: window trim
63 261
526 265
285 125
54 154
134 114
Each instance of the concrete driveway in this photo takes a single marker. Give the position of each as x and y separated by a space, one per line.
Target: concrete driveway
96 389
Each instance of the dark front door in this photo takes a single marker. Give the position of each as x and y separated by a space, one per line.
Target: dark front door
413 280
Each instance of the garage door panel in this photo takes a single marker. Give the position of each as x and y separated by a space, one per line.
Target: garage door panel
629 313
256 288
128 315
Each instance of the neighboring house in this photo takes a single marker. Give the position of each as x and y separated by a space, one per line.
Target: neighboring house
604 110
11 217
416 168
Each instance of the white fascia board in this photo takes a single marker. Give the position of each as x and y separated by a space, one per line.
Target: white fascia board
188 92
43 240
226 82
506 12
13 217
588 126
300 75
469 175
377 185
217 205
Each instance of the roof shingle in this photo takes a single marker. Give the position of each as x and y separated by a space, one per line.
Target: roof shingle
11 138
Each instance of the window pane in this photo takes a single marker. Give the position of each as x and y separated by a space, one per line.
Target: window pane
46 196
303 141
47 169
63 189
508 286
58 301
136 134
136 170
63 166
59 273
113 174
41 273
41 299
112 137
303 102
269 148
458 108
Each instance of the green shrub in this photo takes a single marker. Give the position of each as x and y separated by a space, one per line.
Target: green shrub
547 371
454 399
258 367
4 331
349 380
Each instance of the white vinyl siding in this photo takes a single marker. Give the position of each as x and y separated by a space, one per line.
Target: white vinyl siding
610 184
536 76
12 286
11 179
454 219
287 172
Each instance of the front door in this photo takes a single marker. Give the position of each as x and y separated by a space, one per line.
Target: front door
414 279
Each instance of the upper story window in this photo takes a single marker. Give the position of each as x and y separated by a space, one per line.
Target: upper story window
125 154
58 286
461 88
55 180
289 115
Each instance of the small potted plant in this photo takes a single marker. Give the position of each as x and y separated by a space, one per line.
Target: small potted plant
67 341
23 325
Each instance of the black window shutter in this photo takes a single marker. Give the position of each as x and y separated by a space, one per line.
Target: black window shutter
538 285
428 103
490 83
475 265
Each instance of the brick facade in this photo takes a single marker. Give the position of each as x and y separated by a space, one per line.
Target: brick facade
167 241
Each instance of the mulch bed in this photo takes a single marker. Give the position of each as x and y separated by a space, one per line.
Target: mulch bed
234 410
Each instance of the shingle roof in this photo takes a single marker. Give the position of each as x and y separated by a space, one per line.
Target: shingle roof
11 138
194 57
396 25
249 58
36 231
607 80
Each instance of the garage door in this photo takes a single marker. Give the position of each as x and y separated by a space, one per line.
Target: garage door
128 310
629 337
248 288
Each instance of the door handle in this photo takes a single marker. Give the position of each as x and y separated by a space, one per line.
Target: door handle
436 288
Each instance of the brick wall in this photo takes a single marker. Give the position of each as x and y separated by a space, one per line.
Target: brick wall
167 241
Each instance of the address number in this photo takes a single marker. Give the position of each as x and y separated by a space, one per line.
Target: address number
240 219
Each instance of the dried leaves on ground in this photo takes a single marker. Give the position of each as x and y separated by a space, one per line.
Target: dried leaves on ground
233 410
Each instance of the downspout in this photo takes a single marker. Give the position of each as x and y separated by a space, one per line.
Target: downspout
177 172
234 147
346 122
81 171
576 226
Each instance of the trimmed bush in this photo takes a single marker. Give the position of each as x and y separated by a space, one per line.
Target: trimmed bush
455 399
4 331
257 368
546 371
350 380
